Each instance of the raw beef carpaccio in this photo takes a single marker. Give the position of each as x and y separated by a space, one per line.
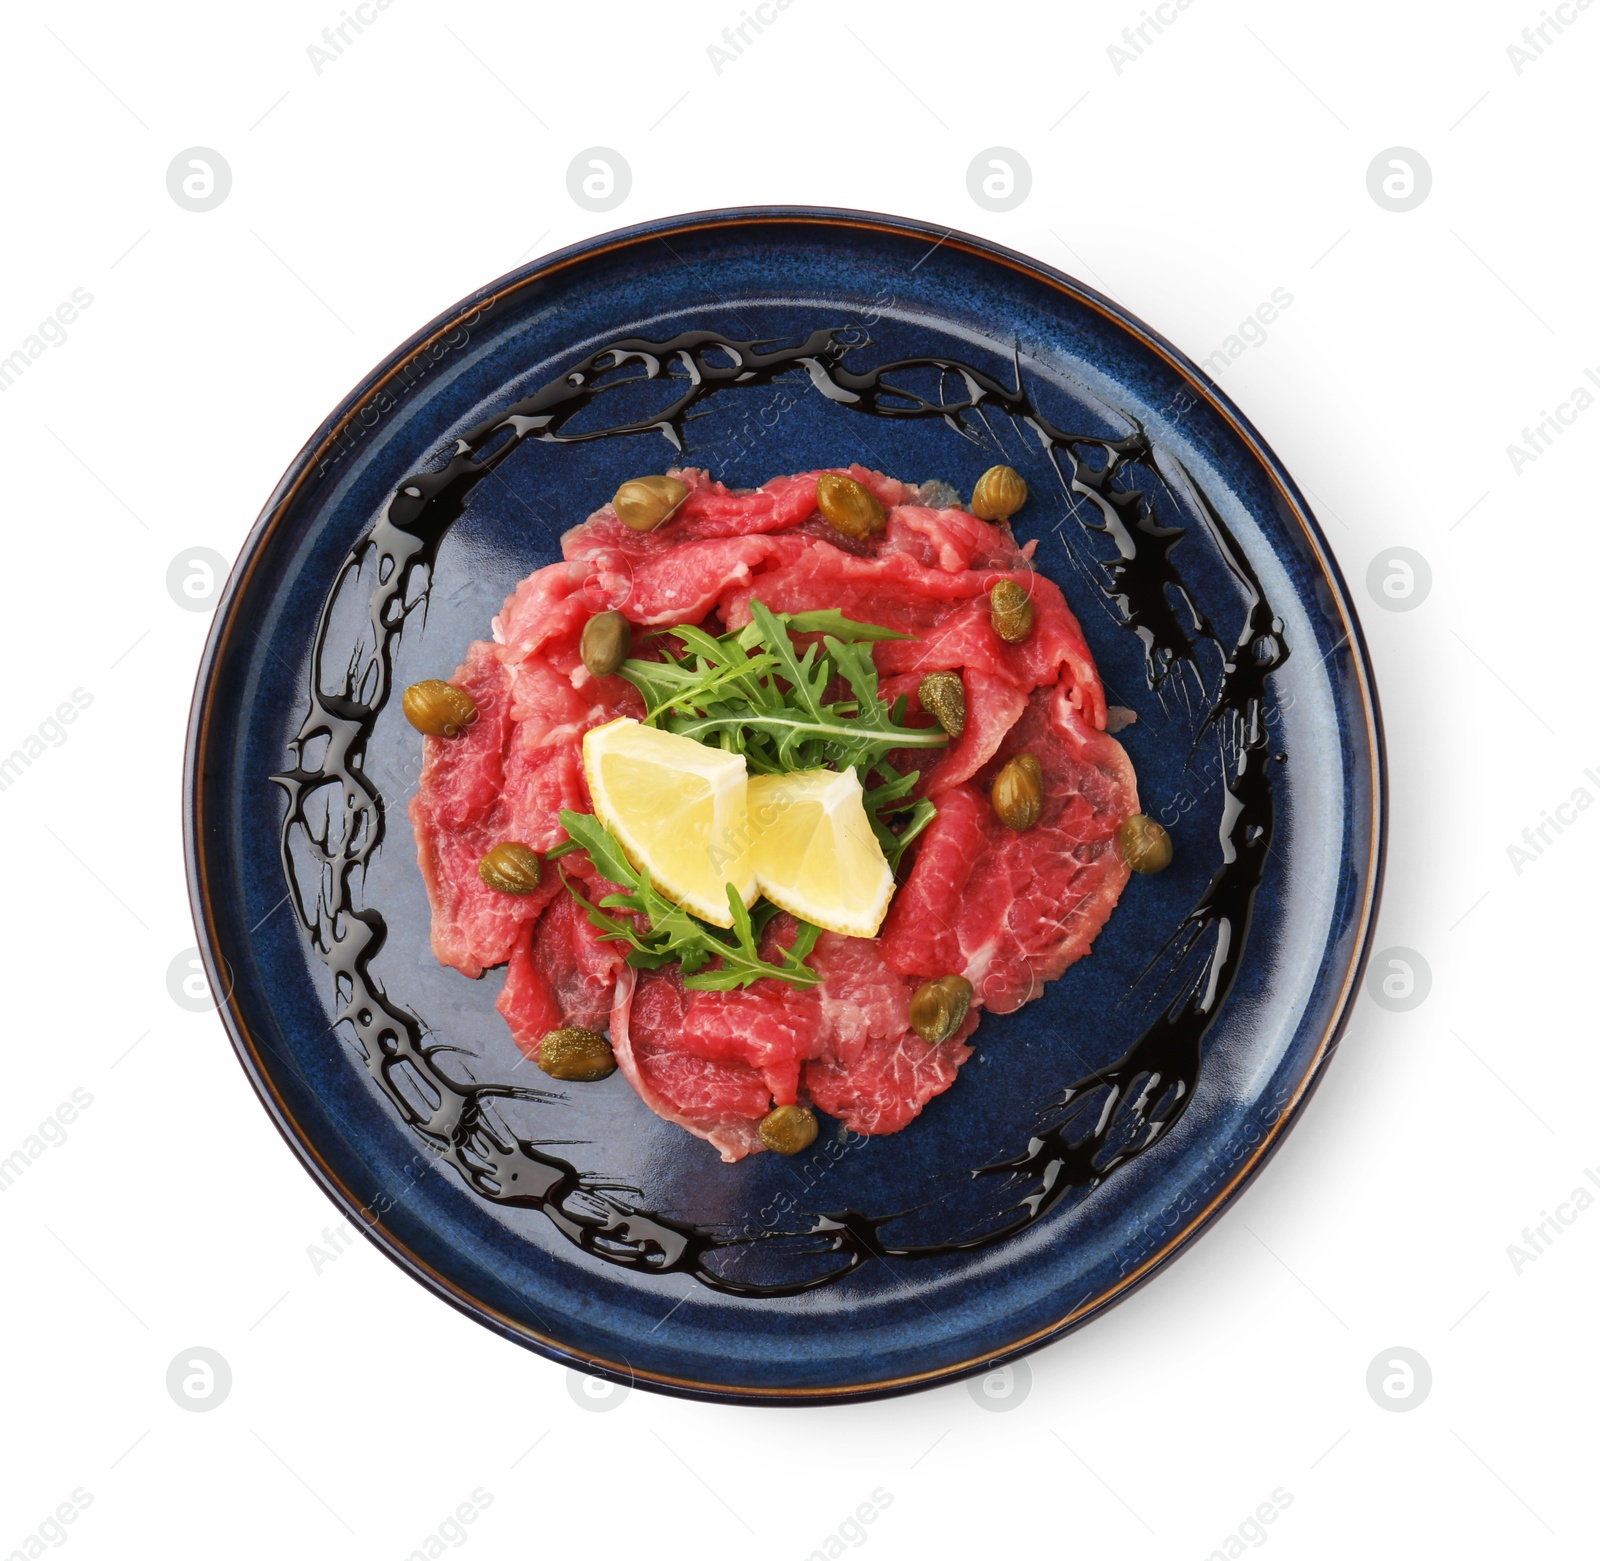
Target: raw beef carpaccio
1009 911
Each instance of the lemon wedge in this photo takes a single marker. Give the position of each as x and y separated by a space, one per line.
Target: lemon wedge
813 851
678 809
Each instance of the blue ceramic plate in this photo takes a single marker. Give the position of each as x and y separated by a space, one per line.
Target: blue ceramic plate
1126 1106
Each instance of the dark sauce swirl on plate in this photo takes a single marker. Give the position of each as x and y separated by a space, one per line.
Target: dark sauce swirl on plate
335 818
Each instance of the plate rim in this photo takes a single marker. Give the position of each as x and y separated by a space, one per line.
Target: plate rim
207 686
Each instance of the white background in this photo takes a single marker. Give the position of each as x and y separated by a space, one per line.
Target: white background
1227 160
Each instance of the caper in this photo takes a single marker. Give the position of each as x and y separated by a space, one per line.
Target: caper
643 503
999 494
849 507
512 868
1010 611
1018 793
578 1056
439 709
938 1007
607 639
941 694
788 1129
1145 846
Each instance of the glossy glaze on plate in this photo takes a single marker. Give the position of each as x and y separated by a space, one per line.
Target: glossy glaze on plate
1213 610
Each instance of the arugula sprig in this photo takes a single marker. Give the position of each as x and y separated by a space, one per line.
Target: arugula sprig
755 692
890 797
743 964
670 933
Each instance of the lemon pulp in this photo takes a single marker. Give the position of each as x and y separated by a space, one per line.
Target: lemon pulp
814 854
678 809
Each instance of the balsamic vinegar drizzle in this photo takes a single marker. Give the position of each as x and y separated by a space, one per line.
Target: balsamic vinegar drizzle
1139 1096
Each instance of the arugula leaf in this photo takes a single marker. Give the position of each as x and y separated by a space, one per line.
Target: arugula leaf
922 814
829 620
742 964
808 676
790 729
659 681
891 798
713 682
756 693
823 620
671 933
612 930
604 849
